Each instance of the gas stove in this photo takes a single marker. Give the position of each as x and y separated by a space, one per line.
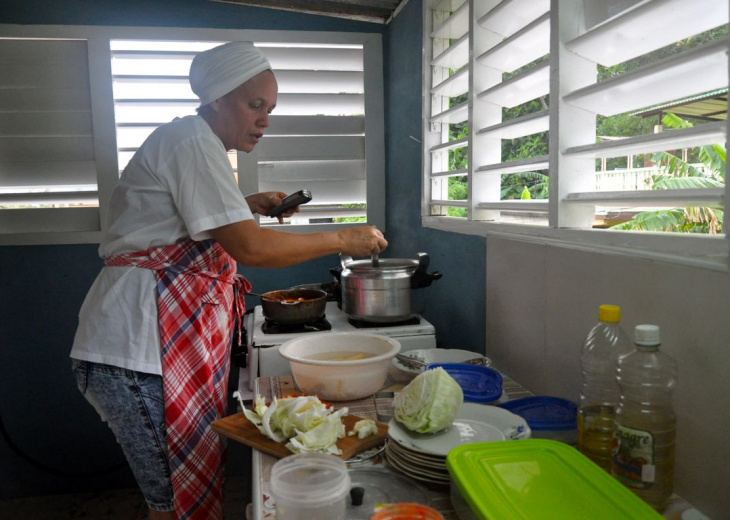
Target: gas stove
264 338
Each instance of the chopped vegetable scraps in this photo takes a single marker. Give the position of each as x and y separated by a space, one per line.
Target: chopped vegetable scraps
306 422
363 428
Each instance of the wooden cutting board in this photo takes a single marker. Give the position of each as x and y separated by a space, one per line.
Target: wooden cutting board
240 429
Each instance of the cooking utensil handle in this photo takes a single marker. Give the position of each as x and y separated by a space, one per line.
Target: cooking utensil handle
410 362
344 260
420 277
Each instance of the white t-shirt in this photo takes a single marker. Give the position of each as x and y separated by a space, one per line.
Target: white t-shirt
179 184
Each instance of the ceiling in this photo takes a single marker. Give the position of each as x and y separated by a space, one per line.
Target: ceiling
376 11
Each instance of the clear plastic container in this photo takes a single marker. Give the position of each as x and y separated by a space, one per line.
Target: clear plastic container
599 393
310 486
645 421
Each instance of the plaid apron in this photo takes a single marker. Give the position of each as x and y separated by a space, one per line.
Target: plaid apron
198 296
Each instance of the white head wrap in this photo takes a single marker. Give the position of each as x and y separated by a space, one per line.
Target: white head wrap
217 71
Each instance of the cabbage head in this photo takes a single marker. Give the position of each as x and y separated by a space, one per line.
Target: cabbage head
430 402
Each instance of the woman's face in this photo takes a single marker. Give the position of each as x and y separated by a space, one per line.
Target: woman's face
243 114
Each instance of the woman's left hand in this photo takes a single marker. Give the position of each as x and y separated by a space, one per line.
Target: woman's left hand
262 202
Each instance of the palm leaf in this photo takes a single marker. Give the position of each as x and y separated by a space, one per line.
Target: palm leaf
714 157
666 182
674 165
674 121
658 220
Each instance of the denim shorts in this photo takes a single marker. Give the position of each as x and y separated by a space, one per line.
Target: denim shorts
131 403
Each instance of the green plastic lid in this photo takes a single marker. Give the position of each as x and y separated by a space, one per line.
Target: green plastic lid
536 479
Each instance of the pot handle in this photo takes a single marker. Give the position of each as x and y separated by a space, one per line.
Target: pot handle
420 277
344 260
337 273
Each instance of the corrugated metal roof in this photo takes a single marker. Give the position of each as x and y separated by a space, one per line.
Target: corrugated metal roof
377 11
710 105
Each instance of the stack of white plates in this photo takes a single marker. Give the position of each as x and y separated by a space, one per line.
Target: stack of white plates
422 456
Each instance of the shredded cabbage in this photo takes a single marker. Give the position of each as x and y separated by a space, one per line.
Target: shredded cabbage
430 402
305 421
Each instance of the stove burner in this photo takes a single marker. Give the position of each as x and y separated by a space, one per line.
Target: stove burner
273 327
363 324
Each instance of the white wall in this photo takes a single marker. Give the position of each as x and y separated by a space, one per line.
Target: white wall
542 301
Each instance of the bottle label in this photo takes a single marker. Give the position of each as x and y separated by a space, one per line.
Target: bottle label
633 456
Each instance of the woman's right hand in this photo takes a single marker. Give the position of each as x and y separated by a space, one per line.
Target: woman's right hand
362 241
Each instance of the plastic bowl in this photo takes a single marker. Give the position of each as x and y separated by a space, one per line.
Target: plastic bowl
340 379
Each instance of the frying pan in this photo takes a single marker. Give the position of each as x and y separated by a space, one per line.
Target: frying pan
294 306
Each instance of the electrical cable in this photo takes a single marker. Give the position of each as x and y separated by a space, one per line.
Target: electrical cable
59 473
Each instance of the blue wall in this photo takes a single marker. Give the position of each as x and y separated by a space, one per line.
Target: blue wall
456 304
42 287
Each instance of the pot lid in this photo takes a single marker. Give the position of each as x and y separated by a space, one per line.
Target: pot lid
385 264
380 485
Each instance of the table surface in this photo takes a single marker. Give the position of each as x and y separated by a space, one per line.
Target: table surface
377 407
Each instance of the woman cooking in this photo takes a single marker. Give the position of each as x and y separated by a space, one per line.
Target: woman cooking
152 348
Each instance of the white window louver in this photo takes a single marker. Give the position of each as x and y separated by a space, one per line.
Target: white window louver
76 102
47 156
316 137
519 52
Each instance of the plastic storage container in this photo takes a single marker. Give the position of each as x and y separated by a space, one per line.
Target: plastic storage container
480 384
549 417
407 511
599 393
310 486
645 421
537 479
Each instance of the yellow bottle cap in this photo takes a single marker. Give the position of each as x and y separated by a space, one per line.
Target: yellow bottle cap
609 313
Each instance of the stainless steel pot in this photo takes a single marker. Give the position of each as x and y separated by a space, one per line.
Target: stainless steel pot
382 293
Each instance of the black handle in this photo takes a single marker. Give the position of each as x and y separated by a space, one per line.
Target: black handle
356 495
420 277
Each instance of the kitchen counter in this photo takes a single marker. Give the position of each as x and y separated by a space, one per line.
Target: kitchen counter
379 407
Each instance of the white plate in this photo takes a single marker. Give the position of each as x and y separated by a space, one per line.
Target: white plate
418 474
417 458
436 355
474 423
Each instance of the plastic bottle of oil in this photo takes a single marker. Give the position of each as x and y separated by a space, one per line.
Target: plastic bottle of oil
643 458
599 393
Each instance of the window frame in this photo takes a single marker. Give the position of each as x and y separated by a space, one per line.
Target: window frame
104 128
705 251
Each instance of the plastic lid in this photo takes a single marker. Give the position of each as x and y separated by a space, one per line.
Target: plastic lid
646 335
406 511
545 412
540 479
609 313
380 485
480 384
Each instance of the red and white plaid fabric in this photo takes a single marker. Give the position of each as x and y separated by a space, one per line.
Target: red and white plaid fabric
199 295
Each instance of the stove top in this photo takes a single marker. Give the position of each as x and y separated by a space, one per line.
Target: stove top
259 333
364 324
274 327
